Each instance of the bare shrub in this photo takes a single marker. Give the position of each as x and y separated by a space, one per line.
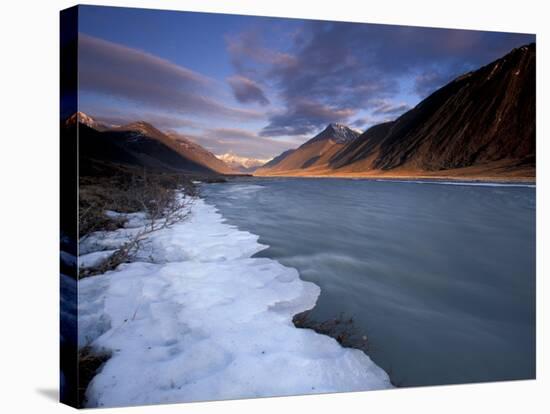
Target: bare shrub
129 191
176 210
342 328
91 214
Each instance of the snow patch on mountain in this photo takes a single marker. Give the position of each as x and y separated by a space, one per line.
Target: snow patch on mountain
240 163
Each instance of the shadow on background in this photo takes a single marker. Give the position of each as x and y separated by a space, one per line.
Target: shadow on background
49 393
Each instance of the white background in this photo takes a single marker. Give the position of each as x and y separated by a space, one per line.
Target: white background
29 203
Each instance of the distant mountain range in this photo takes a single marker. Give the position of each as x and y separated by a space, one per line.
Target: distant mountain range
241 164
481 124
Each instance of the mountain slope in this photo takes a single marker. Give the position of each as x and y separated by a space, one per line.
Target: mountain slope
180 144
483 121
131 148
313 155
140 144
197 153
277 159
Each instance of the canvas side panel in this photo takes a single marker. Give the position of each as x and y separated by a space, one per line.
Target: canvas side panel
68 209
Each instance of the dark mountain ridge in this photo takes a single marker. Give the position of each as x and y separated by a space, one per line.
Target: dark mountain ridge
139 144
132 149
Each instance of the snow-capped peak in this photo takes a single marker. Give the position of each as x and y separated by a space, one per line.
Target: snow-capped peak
338 132
82 118
85 119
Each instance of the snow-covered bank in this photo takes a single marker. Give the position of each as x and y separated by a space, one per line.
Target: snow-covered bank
196 318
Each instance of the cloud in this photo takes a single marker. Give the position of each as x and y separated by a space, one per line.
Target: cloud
361 122
246 90
302 117
110 69
231 133
248 54
428 81
389 108
350 66
240 141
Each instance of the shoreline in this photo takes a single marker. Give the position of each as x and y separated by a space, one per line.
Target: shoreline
197 300
412 178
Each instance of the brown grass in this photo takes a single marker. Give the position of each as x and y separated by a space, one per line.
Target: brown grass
498 171
89 363
127 191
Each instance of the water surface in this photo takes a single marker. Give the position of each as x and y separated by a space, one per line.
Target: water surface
440 277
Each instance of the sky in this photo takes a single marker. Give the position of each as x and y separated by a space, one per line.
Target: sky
256 86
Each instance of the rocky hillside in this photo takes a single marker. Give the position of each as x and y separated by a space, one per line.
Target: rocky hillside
141 144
